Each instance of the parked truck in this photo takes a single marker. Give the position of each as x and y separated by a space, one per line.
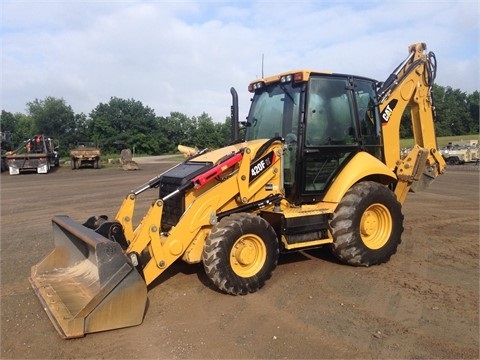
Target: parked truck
35 154
85 153
461 152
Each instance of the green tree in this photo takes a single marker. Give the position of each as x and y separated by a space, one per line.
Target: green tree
456 113
24 128
165 145
453 116
179 129
126 122
206 135
20 125
442 124
8 122
406 129
224 131
473 104
51 116
54 118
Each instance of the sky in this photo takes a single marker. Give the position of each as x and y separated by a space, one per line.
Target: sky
184 56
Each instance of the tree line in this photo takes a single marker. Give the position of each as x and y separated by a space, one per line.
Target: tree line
127 123
456 113
118 124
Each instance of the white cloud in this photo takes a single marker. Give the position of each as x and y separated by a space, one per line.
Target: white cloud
185 56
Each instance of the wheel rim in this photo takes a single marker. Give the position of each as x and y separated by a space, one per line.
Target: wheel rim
248 255
376 226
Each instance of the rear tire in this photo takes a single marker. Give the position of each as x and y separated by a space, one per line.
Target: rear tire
367 225
240 253
453 160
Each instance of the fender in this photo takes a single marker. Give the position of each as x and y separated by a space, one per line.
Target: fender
361 166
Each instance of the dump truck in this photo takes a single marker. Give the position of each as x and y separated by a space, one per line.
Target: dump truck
318 164
37 154
85 153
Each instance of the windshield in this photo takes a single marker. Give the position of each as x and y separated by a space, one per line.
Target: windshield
274 112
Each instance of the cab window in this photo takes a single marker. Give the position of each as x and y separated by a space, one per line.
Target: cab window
367 110
330 119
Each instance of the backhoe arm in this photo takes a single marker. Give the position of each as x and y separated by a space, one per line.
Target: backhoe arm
410 85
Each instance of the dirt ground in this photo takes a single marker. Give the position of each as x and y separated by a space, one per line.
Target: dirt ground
424 303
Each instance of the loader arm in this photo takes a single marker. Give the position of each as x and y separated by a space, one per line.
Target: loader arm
410 85
96 277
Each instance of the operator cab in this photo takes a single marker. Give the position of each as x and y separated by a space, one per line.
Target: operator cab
324 119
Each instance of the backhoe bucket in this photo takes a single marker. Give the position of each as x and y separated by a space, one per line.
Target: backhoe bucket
87 283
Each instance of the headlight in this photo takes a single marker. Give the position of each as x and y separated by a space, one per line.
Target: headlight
286 78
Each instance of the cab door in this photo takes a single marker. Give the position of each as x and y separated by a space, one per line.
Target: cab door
331 136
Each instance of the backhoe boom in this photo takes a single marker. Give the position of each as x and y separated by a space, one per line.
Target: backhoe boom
410 86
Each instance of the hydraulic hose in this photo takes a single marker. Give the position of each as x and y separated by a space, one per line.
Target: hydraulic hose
265 146
431 72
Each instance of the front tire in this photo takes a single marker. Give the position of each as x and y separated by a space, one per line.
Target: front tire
367 225
240 253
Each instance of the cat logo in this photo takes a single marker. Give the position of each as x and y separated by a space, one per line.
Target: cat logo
259 166
387 112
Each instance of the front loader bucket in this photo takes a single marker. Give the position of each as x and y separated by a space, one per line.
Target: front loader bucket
87 284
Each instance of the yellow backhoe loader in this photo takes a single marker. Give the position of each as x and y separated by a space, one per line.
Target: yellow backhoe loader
318 164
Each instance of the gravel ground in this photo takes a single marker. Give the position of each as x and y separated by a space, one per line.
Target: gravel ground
424 303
